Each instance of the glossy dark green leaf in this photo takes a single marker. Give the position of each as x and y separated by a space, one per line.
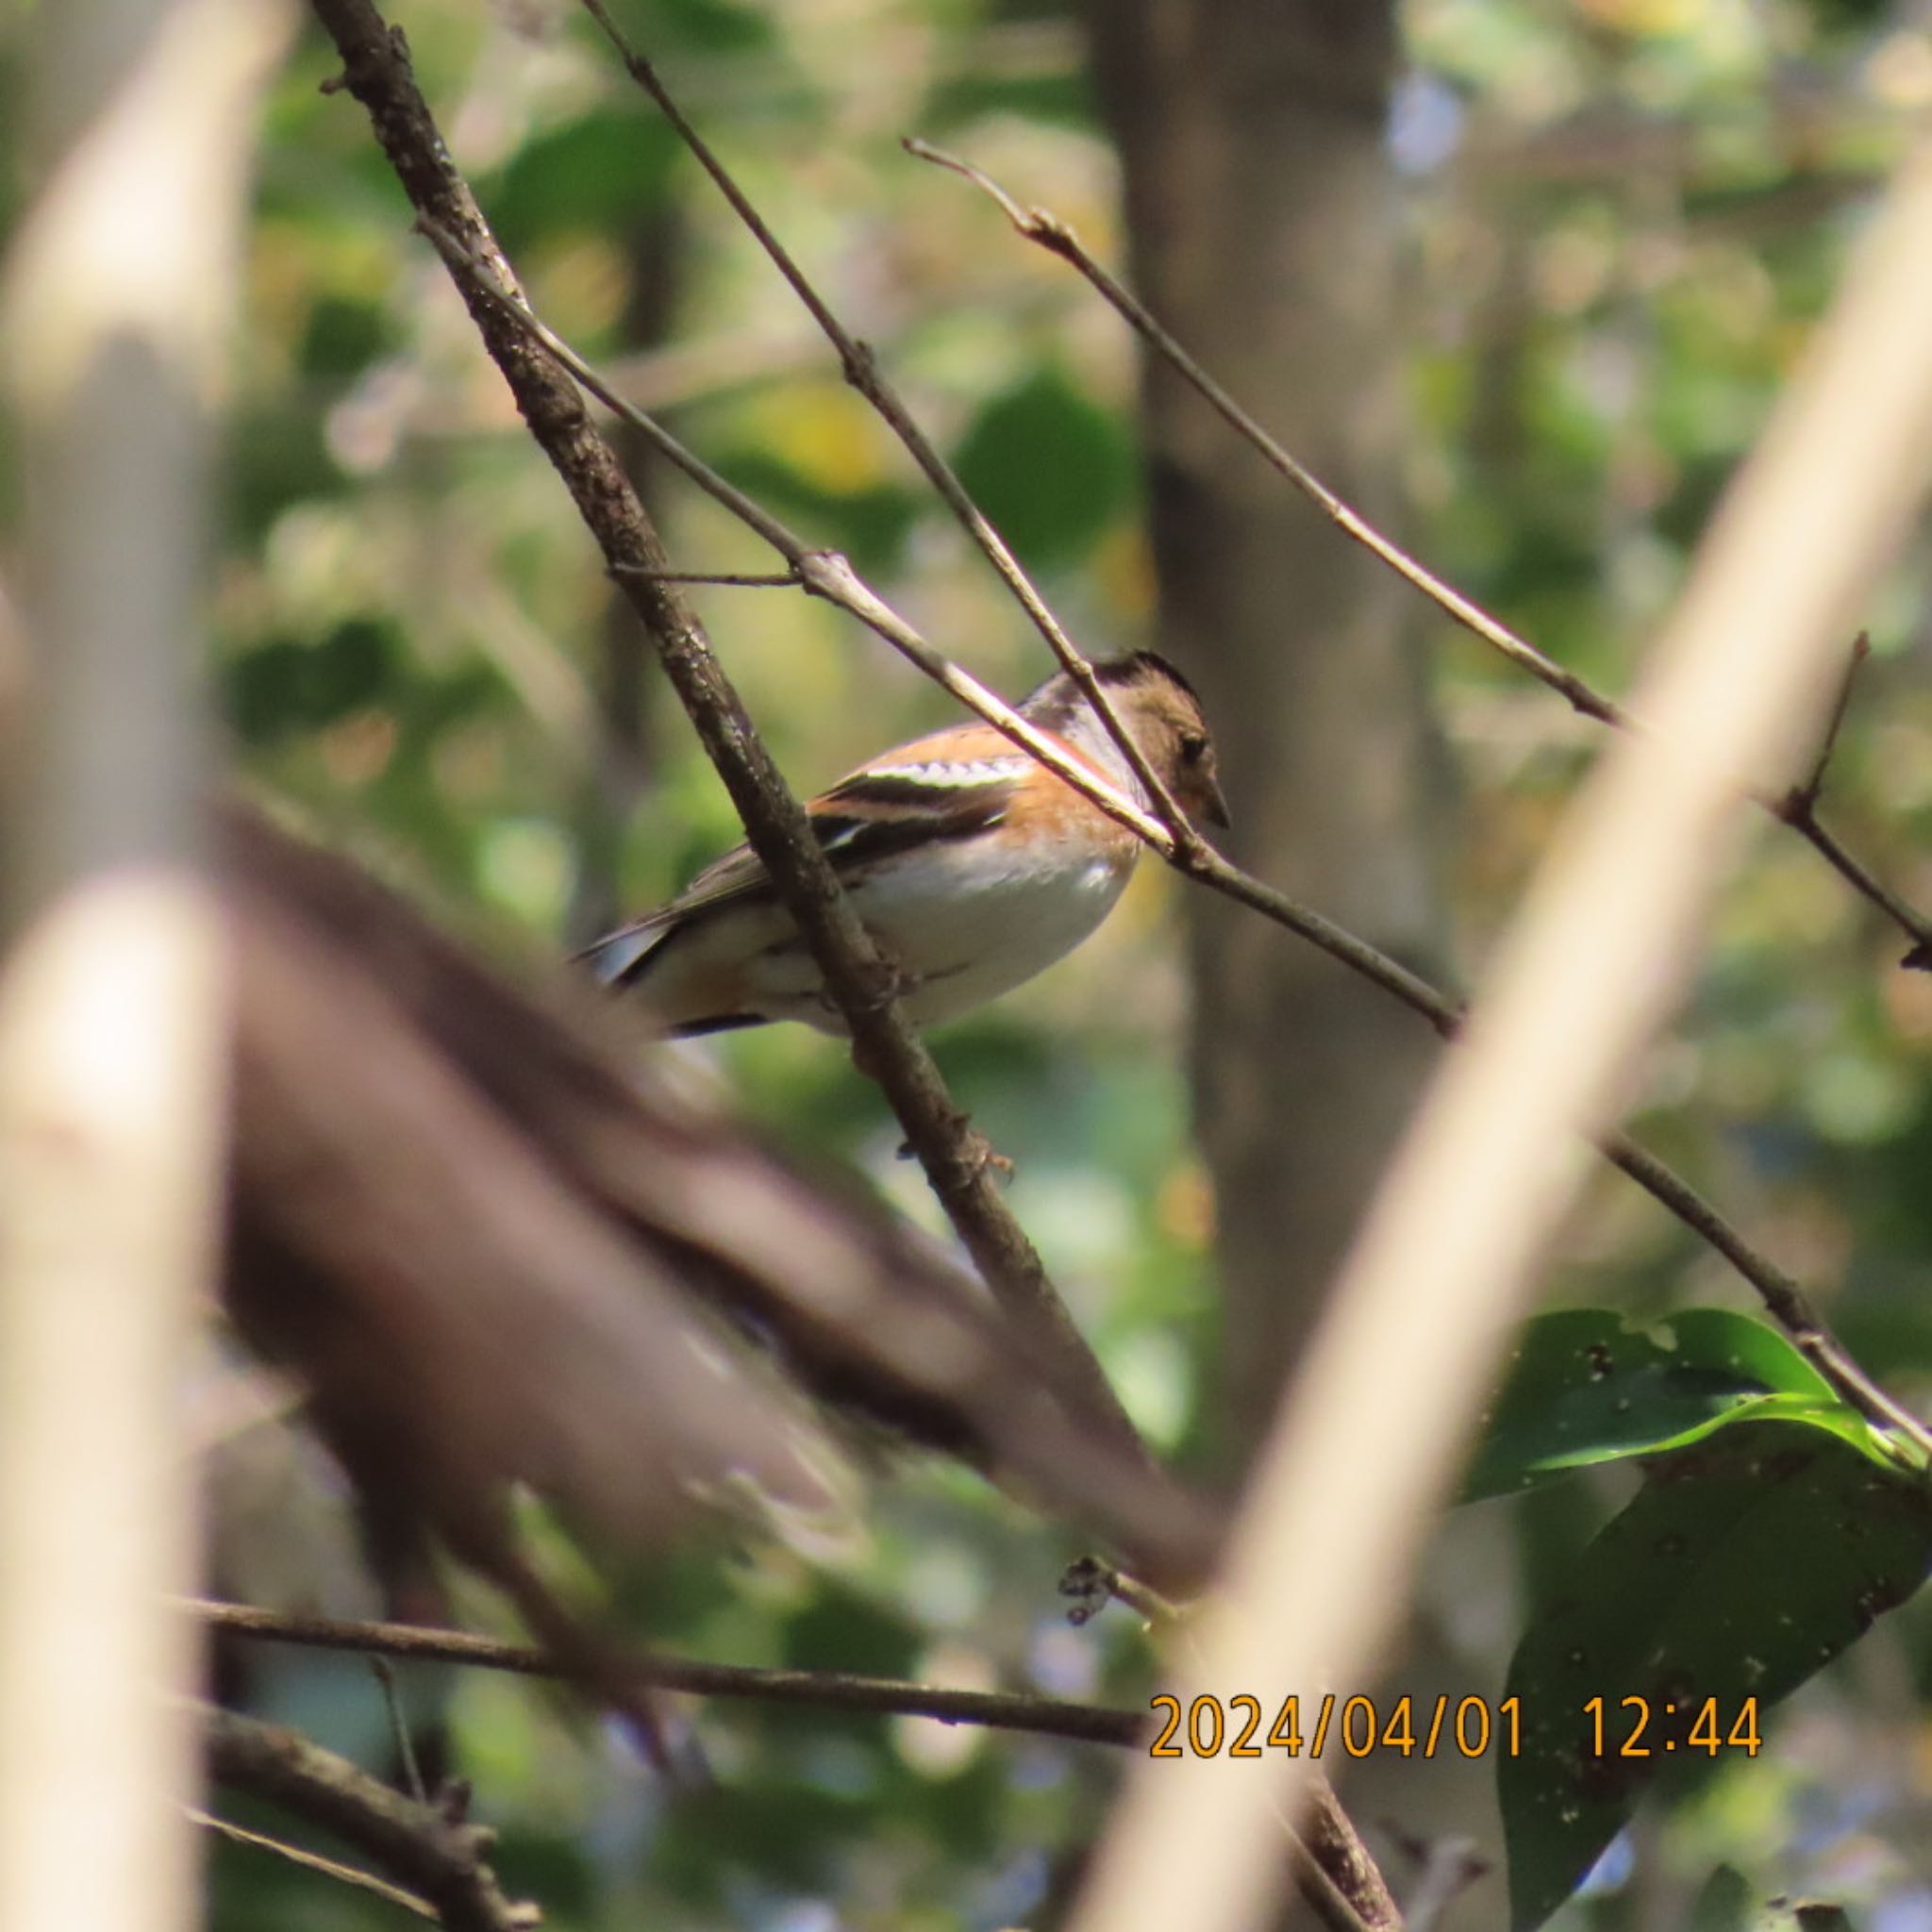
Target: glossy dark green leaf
1582 1388
1743 1566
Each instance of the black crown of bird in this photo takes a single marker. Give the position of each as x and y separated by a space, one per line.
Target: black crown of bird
972 865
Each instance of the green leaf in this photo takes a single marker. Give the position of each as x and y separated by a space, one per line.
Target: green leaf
1743 1566
1583 1389
600 171
1049 467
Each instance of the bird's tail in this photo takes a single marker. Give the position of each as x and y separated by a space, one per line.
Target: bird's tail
623 959
619 959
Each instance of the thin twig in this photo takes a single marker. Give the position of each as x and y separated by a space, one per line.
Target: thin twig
827 574
860 364
830 575
1798 809
1040 225
1804 797
399 1729
438 1858
1092 1584
956 1158
1784 1300
1051 233
314 1861
820 572
825 1690
1338 1875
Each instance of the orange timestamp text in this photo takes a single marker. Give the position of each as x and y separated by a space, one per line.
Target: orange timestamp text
1655 1727
1354 1727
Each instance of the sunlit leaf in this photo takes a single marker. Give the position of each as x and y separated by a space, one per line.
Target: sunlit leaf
1582 1389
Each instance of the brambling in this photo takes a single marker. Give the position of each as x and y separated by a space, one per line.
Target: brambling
972 864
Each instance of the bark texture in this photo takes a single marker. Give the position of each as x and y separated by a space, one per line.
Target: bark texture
1262 214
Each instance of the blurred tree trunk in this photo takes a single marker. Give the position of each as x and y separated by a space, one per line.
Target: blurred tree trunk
1262 212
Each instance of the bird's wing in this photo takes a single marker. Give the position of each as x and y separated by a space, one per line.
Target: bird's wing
918 797
948 786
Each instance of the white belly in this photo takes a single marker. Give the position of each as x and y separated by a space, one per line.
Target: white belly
965 935
962 932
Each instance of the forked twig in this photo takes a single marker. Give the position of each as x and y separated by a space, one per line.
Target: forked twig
435 1861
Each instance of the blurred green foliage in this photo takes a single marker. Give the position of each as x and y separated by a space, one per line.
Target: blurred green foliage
1622 216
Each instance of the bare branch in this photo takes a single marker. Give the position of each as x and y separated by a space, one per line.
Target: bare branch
824 1689
434 1856
828 574
1050 232
862 371
1342 1879
314 1861
955 1155
1804 797
770 580
820 572
1782 1299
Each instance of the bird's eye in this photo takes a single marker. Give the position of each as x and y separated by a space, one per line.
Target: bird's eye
1193 748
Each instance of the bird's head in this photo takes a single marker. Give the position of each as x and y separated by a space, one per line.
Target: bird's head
1161 710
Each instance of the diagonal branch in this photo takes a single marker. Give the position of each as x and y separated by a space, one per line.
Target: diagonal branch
828 574
863 372
822 1689
957 1160
834 579
1040 225
494 299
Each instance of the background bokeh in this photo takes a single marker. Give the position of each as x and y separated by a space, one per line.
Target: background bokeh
1618 218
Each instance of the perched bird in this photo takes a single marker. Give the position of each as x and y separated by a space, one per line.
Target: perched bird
972 865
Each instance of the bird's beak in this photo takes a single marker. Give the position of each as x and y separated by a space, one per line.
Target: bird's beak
1214 806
